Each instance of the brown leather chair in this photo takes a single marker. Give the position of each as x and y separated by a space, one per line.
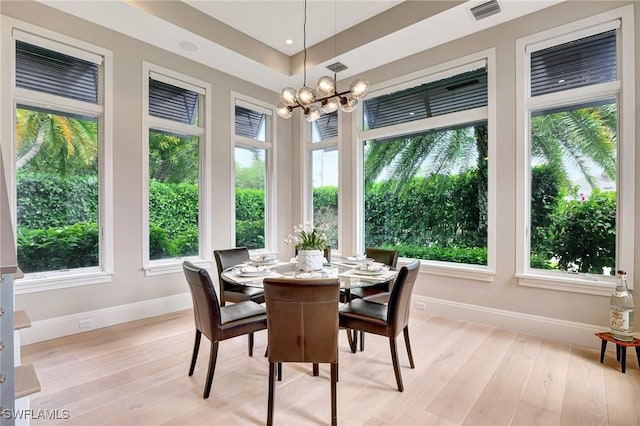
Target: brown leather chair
386 256
386 320
378 293
218 323
302 318
234 293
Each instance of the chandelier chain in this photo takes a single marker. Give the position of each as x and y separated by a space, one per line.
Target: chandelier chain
304 42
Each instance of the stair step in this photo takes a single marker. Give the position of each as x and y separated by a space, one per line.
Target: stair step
26 381
21 320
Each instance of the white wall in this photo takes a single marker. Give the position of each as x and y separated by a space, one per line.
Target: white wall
129 286
559 314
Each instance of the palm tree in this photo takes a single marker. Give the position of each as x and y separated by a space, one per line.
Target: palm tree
70 143
581 137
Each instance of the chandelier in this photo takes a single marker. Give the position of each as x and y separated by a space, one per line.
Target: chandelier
325 95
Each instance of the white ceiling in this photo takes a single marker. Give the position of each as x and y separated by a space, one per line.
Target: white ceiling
270 21
273 22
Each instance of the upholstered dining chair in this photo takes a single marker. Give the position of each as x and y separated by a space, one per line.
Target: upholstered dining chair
378 293
218 323
302 320
234 293
386 320
386 256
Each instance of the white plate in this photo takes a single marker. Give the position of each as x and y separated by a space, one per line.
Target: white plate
262 263
252 273
366 272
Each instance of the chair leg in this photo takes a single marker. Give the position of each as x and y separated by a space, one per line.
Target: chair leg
196 347
334 391
212 367
316 369
353 340
396 365
279 371
272 391
250 342
408 345
362 341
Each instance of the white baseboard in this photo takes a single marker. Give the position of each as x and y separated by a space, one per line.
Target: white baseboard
70 324
551 328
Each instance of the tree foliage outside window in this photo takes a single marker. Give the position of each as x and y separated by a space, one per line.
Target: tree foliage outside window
428 190
57 157
250 173
173 179
573 228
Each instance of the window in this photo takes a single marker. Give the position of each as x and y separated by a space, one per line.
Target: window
177 139
427 168
62 149
323 156
574 217
253 134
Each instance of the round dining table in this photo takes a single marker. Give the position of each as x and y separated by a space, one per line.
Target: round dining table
350 274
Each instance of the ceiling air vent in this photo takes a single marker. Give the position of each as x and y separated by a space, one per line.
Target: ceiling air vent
484 10
337 67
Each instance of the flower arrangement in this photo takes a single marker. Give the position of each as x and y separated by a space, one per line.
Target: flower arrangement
306 237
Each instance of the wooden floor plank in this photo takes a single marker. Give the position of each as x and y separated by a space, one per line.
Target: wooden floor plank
466 373
497 403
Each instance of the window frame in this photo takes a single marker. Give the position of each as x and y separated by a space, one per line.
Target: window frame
307 174
444 70
270 147
625 180
12 30
203 131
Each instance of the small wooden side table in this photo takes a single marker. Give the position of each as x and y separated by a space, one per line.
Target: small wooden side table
621 349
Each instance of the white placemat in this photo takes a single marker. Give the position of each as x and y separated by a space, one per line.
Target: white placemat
381 277
241 279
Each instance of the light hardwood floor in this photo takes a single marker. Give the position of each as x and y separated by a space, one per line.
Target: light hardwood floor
466 374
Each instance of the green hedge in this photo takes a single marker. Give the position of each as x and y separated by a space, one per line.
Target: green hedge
439 210
52 249
433 218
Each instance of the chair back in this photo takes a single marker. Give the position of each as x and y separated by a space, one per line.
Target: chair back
302 319
206 309
227 258
400 298
386 256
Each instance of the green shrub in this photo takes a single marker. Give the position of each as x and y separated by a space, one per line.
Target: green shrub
581 235
53 249
52 201
469 255
250 233
438 210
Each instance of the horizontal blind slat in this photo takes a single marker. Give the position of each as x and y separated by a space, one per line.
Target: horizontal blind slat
578 63
55 73
458 93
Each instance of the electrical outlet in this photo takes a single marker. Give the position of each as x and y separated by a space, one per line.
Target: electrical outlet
421 306
85 323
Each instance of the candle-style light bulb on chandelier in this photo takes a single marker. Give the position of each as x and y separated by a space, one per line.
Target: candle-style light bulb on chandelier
326 93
